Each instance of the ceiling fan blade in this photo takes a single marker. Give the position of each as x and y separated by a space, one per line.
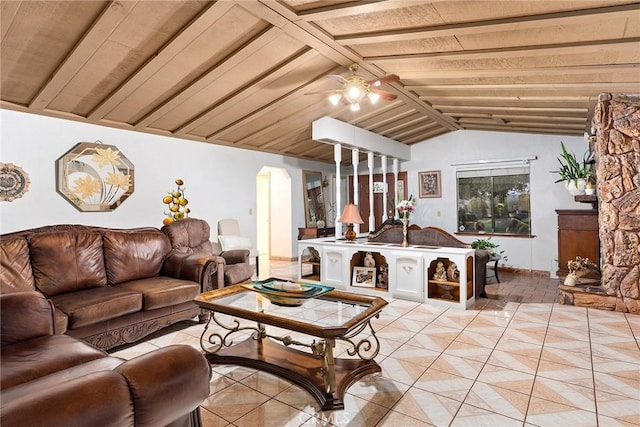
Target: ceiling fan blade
391 78
337 78
387 96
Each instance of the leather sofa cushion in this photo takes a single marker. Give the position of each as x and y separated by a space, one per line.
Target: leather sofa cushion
96 305
55 378
134 255
190 236
163 291
65 261
97 399
236 273
15 266
27 360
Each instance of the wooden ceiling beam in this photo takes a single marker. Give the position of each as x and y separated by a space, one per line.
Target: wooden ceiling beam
215 72
518 86
165 55
414 131
315 37
110 17
551 130
354 8
268 108
250 89
567 70
486 26
568 48
425 136
453 109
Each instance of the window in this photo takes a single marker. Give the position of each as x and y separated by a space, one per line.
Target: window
494 201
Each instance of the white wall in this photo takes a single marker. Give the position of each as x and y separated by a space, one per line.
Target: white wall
220 181
438 154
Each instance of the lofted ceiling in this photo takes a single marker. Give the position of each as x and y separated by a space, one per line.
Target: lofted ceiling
240 73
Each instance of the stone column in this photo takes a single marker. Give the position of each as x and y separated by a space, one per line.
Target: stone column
617 147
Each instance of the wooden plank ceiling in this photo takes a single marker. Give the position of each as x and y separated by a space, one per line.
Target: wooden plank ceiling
239 73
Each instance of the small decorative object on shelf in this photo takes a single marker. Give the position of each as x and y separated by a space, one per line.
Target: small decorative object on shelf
441 272
453 273
573 173
368 260
383 277
177 204
404 208
578 268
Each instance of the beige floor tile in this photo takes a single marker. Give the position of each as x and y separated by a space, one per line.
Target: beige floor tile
617 368
266 383
416 355
444 384
621 408
435 337
469 351
234 402
428 407
617 385
273 414
356 412
566 373
564 393
509 379
545 413
498 400
472 416
209 419
504 359
400 370
478 338
379 390
466 368
520 348
397 419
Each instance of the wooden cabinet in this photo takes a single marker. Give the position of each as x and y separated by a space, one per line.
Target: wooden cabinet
577 236
314 233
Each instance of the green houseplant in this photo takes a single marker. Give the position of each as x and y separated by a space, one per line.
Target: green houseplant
572 172
489 246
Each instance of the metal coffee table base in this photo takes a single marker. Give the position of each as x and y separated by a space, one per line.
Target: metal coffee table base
301 368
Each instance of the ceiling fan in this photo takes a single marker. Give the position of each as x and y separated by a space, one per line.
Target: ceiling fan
356 88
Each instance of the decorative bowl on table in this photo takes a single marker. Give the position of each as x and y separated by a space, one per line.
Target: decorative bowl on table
287 293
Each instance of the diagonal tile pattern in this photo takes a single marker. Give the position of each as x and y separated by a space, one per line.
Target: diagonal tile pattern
515 359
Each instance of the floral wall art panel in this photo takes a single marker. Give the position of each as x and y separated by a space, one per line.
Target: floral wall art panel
94 177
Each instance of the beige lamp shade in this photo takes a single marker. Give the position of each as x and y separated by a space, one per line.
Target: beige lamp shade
351 215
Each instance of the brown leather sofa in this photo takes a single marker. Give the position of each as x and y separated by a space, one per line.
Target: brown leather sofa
434 236
59 381
192 236
108 286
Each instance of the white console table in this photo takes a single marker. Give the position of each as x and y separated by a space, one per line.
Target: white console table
410 269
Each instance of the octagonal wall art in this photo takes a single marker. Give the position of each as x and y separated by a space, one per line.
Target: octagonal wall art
94 177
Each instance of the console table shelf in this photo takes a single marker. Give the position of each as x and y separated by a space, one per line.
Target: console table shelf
409 270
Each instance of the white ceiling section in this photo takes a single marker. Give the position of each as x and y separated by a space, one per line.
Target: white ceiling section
239 73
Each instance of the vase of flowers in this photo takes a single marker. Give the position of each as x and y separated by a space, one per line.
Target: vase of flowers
404 208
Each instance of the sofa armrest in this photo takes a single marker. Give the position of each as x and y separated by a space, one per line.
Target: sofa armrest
236 256
167 383
195 267
25 315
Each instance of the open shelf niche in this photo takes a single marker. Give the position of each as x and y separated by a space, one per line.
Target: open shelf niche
381 269
448 289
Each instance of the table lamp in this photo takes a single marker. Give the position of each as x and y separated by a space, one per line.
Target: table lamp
350 216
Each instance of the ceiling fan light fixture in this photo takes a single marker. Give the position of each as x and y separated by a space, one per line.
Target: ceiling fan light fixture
335 98
355 107
355 93
373 97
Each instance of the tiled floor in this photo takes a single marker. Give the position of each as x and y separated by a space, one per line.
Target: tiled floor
516 359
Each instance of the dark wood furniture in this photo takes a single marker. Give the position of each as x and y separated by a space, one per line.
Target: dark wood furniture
314 232
333 316
577 236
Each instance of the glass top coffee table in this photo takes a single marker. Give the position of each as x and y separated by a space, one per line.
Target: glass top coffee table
310 325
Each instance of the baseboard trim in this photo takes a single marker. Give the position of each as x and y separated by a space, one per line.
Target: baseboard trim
523 271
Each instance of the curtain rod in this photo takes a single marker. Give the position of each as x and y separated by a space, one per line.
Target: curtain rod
484 162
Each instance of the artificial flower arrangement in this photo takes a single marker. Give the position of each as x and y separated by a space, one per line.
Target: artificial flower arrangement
177 204
406 207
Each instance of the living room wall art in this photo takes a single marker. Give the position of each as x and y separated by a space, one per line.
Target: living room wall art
94 177
14 182
429 184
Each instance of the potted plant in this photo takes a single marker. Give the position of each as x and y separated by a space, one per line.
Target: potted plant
573 173
490 247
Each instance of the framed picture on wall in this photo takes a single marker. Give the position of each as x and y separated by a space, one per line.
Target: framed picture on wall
364 277
429 184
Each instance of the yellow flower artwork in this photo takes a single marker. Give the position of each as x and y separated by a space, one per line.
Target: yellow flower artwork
95 177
